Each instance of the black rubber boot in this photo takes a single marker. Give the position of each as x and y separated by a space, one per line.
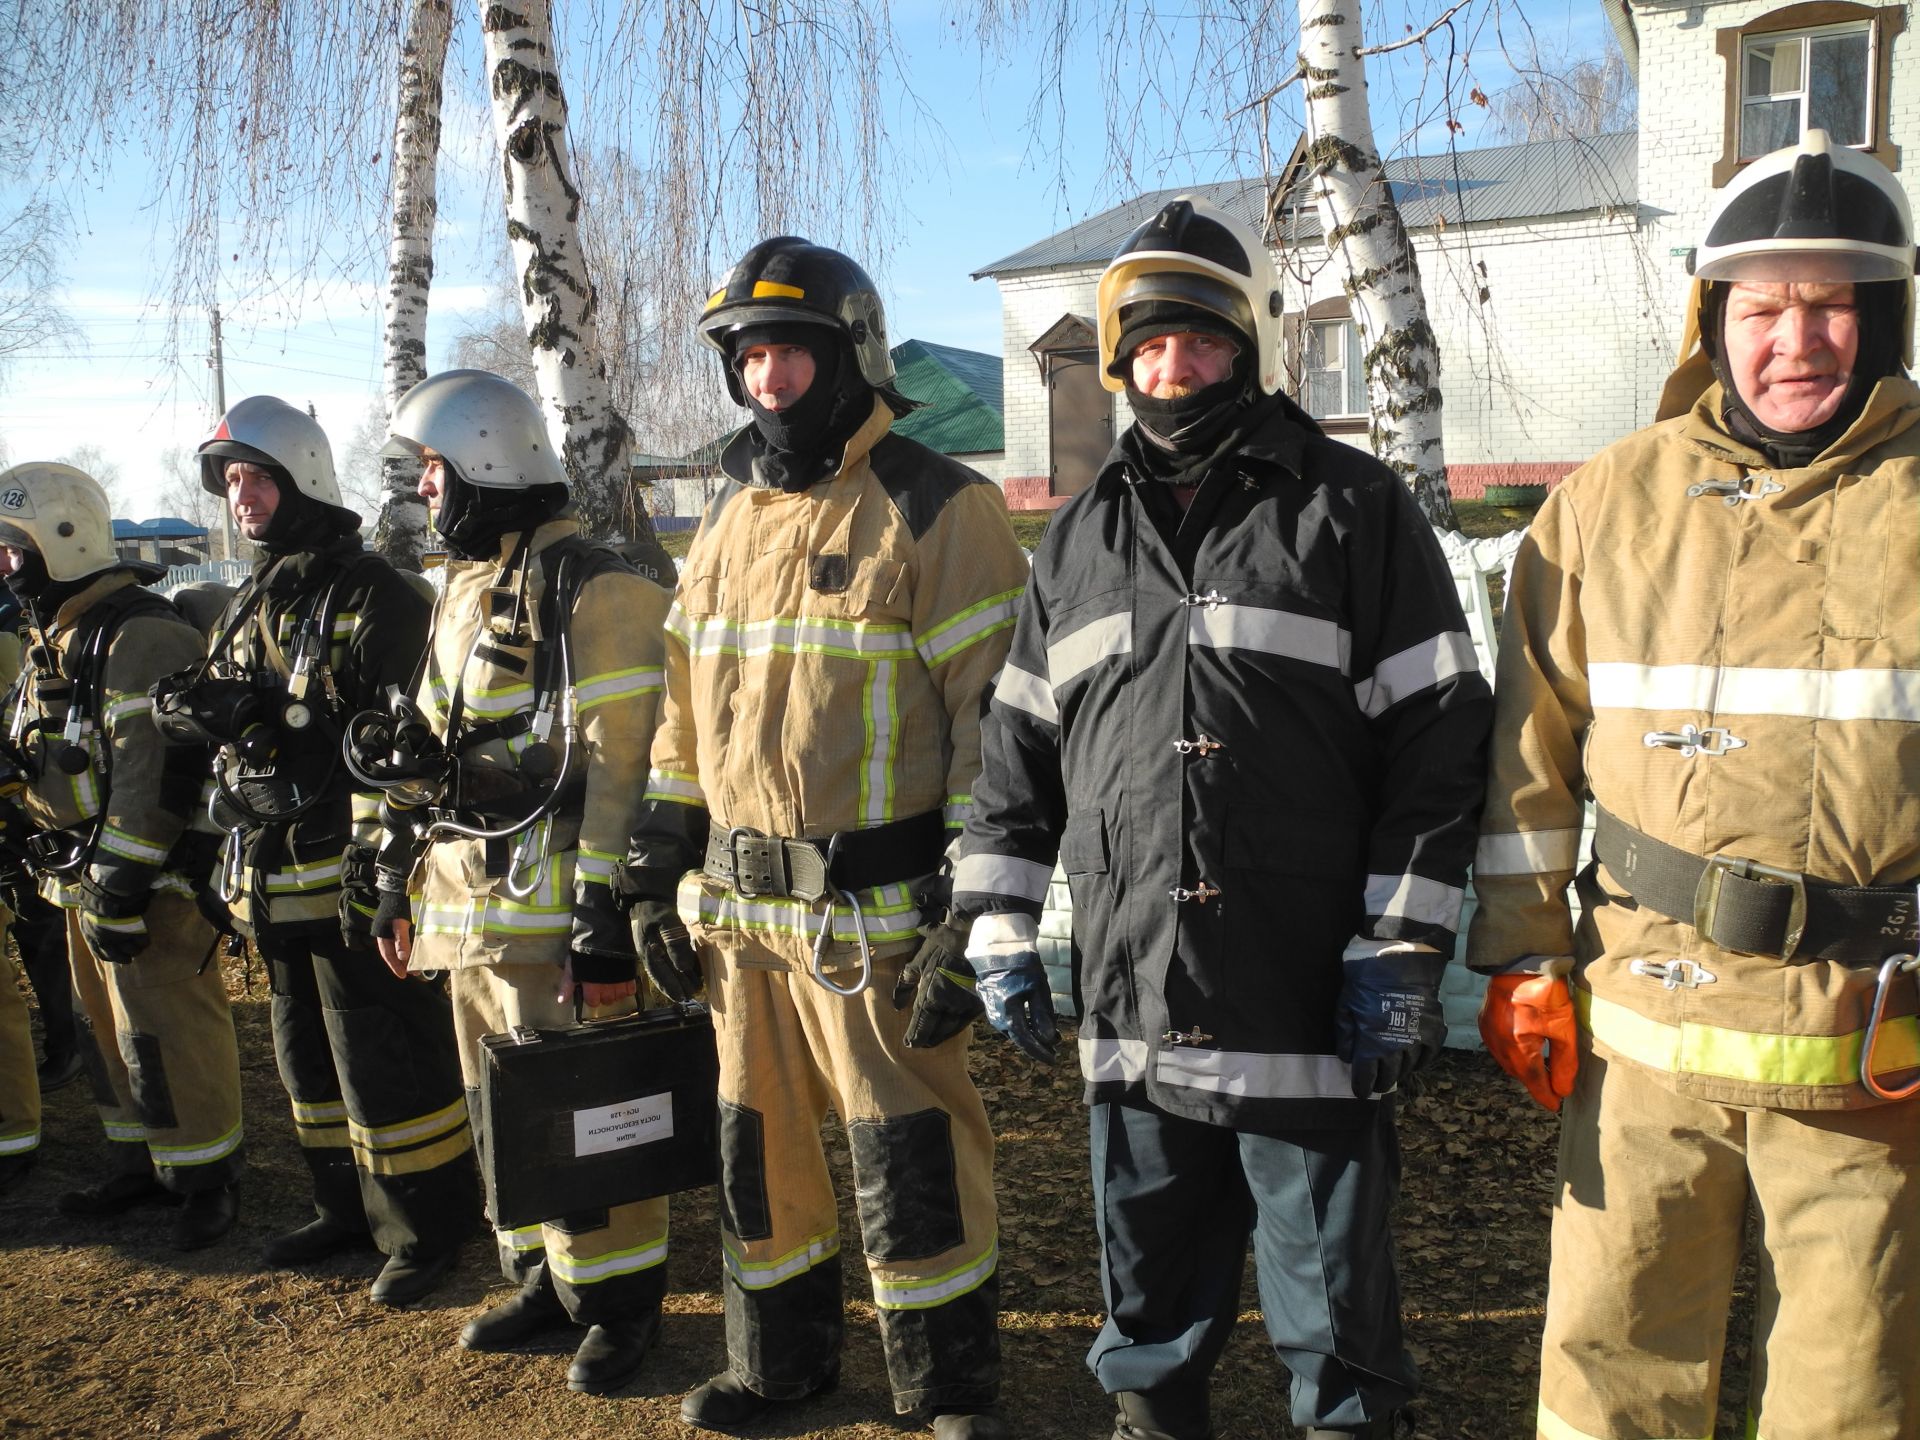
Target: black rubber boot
402 1282
59 1070
534 1310
725 1403
1169 1413
204 1217
611 1354
313 1242
115 1196
970 1425
15 1168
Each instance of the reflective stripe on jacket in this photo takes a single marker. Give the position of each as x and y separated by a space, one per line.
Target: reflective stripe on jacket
462 916
826 657
1779 610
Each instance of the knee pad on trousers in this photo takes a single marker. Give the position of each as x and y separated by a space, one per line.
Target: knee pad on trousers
147 1076
909 1198
744 1211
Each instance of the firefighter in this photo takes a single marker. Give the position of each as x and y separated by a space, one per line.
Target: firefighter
1242 710
1713 629
319 632
19 1088
844 604
21 1084
540 689
116 849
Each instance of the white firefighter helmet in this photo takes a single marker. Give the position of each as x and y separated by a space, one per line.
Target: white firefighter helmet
59 513
266 430
1815 211
1193 253
489 429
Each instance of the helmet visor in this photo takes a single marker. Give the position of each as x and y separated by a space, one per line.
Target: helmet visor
1802 261
1185 288
15 538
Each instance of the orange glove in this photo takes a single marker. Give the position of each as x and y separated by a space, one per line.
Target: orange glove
1522 1015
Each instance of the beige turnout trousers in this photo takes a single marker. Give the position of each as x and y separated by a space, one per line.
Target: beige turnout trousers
608 1265
165 1065
19 1085
1647 1231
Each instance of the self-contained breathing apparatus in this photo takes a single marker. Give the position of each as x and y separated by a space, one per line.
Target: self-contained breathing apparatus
441 788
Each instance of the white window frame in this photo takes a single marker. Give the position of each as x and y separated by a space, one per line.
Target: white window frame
1804 94
1349 333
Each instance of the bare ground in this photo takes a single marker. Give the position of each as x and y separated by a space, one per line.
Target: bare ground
105 1332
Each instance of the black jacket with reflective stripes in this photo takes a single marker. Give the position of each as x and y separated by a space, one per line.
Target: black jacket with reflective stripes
1242 767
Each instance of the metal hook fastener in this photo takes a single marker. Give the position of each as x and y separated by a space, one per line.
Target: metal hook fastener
1200 894
1691 740
835 896
1728 488
1754 487
1674 974
1203 747
1212 599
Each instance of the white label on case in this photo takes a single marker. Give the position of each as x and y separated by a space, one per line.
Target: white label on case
617 1127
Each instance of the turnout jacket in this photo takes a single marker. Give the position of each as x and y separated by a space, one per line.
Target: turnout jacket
484 646
827 655
1242 766
127 807
376 627
1678 579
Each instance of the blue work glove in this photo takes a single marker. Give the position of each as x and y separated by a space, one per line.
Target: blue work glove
1390 1023
1018 1000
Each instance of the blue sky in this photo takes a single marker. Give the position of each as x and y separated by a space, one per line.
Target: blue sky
977 186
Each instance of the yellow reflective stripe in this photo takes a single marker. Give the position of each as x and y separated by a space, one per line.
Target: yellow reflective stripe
323 1137
585 1270
773 289
320 1112
318 875
502 917
880 723
889 910
938 1289
408 1132
202 1154
118 842
676 786
125 1132
20 1142
417 1160
769 1273
972 625
118 710
1694 1049
596 867
620 685
811 635
954 813
521 1237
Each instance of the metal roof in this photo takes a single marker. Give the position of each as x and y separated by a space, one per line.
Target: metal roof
1501 182
963 395
167 527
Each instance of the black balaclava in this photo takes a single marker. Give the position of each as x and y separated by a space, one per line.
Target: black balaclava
301 522
803 443
1880 305
472 518
38 592
1189 432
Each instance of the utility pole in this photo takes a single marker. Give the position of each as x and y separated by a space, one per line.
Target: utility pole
219 409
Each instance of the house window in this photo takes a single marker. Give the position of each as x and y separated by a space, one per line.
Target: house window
1822 64
1813 80
1334 383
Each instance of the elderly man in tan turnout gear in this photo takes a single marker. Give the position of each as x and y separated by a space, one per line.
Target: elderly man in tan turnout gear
847 599
114 804
541 681
1714 629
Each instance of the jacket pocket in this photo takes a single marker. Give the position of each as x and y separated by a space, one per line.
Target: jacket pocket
702 590
1083 843
1864 525
1293 842
874 589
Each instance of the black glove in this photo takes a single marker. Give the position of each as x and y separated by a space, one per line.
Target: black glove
939 983
661 937
392 905
112 923
1390 1022
359 897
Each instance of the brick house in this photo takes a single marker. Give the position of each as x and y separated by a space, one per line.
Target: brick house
1555 272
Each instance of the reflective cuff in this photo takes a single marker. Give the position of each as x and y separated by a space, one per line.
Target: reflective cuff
1004 934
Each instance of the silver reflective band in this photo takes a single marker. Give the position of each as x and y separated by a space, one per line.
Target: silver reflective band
1418 667
1414 897
1740 690
1002 875
1018 690
1221 626
1221 1072
1088 646
1527 852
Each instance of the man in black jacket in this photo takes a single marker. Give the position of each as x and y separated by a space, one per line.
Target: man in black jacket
1243 711
322 630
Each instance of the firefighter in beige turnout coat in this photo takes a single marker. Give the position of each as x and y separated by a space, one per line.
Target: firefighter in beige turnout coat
844 605
113 803
1714 628
492 692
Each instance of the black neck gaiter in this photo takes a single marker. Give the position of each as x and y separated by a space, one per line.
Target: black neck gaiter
472 518
1186 434
799 445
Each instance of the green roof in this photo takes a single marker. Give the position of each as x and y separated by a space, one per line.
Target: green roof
962 394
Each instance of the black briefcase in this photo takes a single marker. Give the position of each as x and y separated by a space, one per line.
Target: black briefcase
597 1114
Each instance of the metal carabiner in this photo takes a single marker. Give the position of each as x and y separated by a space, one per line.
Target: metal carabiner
232 868
1893 965
825 937
543 828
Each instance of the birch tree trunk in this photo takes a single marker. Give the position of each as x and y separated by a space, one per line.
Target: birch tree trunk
1365 235
557 298
401 534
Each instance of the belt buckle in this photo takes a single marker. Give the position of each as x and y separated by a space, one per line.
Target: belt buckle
756 872
1706 896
